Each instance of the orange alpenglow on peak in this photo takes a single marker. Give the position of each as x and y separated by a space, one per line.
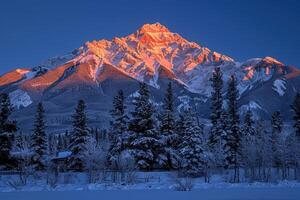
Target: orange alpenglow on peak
154 28
152 45
155 35
271 60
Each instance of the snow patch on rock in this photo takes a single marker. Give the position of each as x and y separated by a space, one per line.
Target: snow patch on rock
135 94
253 106
60 60
20 98
154 81
279 86
185 103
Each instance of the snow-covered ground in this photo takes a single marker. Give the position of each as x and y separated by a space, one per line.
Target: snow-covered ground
199 194
151 185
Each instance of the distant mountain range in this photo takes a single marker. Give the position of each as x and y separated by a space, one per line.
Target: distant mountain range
154 55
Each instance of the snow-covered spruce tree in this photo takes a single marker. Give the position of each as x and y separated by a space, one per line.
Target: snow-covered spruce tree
247 128
216 107
143 138
277 139
218 120
169 140
17 143
7 128
179 128
191 149
296 109
78 138
118 129
225 123
39 144
248 146
233 139
296 117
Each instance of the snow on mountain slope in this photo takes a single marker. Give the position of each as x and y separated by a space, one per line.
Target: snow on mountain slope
60 60
253 106
279 86
20 98
142 54
152 55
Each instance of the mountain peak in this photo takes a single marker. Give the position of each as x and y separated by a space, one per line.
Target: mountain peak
271 60
153 28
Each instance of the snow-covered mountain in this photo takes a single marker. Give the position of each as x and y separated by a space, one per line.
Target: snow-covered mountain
154 55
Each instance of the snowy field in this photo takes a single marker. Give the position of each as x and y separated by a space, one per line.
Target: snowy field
152 185
198 194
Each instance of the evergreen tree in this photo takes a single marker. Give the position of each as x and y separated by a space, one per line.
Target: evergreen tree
78 138
18 140
296 145
296 109
216 108
225 124
143 139
233 139
248 128
169 140
7 128
119 128
248 134
6 124
39 140
179 128
277 139
191 148
276 122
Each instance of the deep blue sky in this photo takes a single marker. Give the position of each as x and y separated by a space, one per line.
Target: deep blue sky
34 30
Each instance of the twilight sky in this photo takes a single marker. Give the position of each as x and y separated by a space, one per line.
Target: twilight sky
33 30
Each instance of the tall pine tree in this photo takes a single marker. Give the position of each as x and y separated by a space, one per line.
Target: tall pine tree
168 136
216 108
143 140
191 149
296 145
39 140
7 128
79 138
233 139
248 128
119 128
277 139
296 109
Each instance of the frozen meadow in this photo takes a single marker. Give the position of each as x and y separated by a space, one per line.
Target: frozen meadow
207 194
146 185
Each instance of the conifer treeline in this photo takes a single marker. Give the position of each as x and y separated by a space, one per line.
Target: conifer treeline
164 139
